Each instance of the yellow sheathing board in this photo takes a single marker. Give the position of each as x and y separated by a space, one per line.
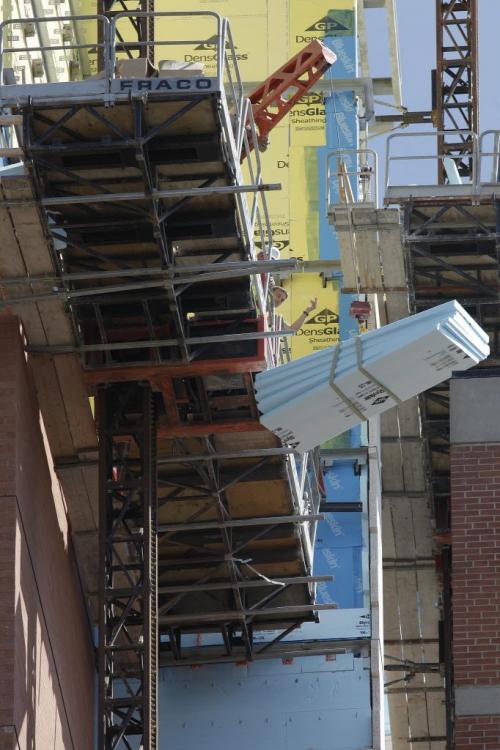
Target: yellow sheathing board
321 328
275 162
314 19
279 216
250 29
304 203
307 121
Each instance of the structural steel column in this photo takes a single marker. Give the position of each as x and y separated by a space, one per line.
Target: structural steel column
128 629
457 94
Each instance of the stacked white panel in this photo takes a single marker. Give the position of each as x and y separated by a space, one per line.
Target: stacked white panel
321 395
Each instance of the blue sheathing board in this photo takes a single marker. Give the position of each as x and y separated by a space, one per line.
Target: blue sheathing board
311 702
341 483
341 538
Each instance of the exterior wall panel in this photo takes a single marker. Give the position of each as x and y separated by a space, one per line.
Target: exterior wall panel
475 484
46 681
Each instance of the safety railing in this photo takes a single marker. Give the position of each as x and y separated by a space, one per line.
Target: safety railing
52 47
426 164
489 158
303 481
352 177
189 39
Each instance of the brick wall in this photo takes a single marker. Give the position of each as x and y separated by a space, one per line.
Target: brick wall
47 675
475 477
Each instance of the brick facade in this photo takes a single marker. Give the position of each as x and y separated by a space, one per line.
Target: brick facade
47 675
475 477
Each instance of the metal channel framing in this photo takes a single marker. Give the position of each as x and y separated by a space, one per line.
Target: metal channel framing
457 94
128 629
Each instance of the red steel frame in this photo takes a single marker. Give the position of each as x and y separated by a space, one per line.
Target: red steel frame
274 98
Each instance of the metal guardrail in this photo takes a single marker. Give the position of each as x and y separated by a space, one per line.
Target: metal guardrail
489 160
25 26
449 161
352 177
111 43
238 127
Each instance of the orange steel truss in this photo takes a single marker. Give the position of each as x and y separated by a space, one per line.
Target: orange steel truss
274 98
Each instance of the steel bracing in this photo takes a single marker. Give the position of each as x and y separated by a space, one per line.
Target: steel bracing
128 626
456 84
141 29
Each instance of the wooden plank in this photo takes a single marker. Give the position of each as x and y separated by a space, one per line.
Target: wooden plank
203 429
398 712
402 420
392 468
81 501
388 531
423 524
397 306
400 510
251 498
414 462
347 260
406 592
417 714
429 597
392 250
61 392
391 617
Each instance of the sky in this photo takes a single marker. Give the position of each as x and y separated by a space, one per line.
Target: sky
417 48
416 23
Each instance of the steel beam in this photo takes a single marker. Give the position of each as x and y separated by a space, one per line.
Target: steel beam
85 200
246 584
239 523
286 612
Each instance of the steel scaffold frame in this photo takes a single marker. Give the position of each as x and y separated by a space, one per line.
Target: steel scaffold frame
457 92
128 626
143 28
447 262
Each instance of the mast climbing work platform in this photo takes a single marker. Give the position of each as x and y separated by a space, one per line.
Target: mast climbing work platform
128 250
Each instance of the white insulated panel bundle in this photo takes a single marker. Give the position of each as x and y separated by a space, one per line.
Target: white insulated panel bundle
313 399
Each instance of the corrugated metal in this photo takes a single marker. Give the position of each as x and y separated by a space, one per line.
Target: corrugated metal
319 396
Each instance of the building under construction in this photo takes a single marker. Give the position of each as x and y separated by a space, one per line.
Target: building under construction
172 574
